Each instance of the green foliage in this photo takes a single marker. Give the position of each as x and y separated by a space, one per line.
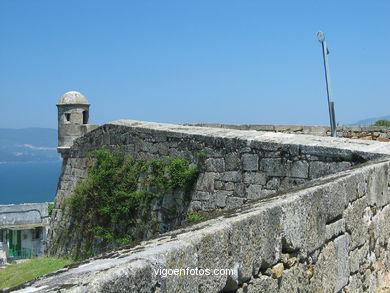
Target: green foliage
382 123
50 207
201 156
194 217
16 274
114 202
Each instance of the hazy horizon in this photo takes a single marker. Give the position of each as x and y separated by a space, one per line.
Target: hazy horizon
351 123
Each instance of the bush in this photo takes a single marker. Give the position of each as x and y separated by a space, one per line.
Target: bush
382 123
50 207
115 199
194 217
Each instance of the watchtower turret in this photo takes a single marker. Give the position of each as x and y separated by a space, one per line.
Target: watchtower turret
73 115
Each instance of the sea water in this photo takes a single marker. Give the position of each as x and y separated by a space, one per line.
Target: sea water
28 182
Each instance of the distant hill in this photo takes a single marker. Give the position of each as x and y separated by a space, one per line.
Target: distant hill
369 121
28 145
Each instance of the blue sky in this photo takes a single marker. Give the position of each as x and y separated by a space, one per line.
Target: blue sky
194 61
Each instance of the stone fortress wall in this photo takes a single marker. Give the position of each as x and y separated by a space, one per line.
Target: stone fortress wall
239 166
302 211
297 213
330 236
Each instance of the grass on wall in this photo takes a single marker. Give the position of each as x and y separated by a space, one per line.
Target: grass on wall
16 274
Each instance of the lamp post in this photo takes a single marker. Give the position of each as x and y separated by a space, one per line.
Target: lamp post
332 116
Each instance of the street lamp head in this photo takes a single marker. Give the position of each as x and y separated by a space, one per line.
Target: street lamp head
321 36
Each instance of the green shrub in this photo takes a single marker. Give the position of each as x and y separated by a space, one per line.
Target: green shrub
50 207
382 123
114 201
194 217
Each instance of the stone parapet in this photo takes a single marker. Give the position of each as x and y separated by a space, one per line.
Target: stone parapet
239 166
379 133
331 235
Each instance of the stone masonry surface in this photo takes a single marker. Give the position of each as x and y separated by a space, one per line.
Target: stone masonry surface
302 212
330 235
379 133
239 165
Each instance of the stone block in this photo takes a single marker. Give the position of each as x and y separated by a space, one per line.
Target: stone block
209 205
378 186
255 178
253 191
148 147
324 276
220 198
245 248
244 150
356 222
304 223
260 249
230 185
162 149
250 162
358 257
201 195
294 280
298 169
335 200
272 155
231 176
66 169
210 152
272 167
269 146
263 284
369 282
269 231
382 226
335 229
215 165
319 168
212 253
273 184
219 185
232 162
206 182
287 182
292 149
234 202
341 244
239 189
355 284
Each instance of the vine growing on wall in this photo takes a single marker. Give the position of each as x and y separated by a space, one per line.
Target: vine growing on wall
113 203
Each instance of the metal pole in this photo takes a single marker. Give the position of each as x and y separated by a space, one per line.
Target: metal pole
332 116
